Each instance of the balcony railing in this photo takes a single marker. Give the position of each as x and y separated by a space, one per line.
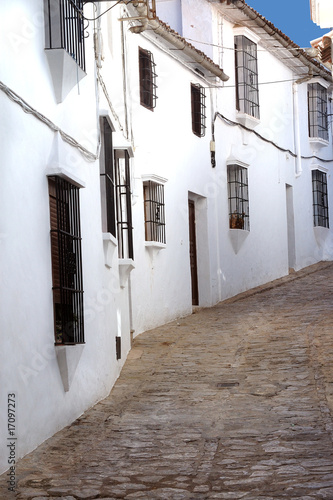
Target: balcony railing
64 28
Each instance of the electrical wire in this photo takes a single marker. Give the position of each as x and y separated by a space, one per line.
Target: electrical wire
233 48
259 83
284 150
32 111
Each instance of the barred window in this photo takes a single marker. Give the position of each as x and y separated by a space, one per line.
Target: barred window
107 179
317 111
246 66
64 28
198 106
320 199
238 194
66 261
124 205
154 211
147 74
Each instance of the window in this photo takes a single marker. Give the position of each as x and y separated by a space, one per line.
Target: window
64 28
317 111
66 261
116 193
238 194
198 110
107 180
124 205
147 79
247 93
320 201
153 194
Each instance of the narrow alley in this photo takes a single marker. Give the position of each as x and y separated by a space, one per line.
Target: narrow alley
232 402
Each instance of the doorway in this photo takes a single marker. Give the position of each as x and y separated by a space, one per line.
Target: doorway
193 253
290 229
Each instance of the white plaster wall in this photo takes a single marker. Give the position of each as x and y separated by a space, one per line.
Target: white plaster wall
170 12
166 146
29 367
197 24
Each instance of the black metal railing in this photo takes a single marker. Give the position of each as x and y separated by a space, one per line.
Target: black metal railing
66 261
320 198
198 104
154 212
64 28
317 111
148 87
124 206
238 194
246 67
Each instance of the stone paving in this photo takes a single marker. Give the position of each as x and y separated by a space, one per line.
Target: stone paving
233 402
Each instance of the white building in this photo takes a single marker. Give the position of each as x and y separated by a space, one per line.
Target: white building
139 178
322 13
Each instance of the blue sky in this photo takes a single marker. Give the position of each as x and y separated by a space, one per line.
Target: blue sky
290 16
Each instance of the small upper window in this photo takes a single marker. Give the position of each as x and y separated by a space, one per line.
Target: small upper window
238 194
198 110
320 199
153 195
317 111
147 79
246 67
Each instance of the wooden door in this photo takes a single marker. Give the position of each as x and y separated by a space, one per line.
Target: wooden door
193 253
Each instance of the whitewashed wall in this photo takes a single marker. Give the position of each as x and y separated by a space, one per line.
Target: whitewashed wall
28 361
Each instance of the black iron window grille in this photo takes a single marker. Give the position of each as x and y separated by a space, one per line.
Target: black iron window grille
238 194
66 261
246 67
64 28
198 106
154 211
148 75
320 198
124 205
317 111
107 179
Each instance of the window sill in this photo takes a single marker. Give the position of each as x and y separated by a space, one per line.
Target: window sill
237 238
155 244
65 72
125 268
68 357
321 234
153 248
109 245
317 143
247 120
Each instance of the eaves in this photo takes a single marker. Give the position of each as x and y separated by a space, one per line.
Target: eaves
174 42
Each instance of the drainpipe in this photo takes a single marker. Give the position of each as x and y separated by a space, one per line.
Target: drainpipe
124 71
296 119
297 140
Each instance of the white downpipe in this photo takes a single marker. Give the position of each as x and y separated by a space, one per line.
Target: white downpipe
297 136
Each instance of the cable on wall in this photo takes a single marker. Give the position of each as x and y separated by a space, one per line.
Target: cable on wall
32 111
284 150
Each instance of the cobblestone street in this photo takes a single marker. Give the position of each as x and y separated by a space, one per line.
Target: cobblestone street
232 402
